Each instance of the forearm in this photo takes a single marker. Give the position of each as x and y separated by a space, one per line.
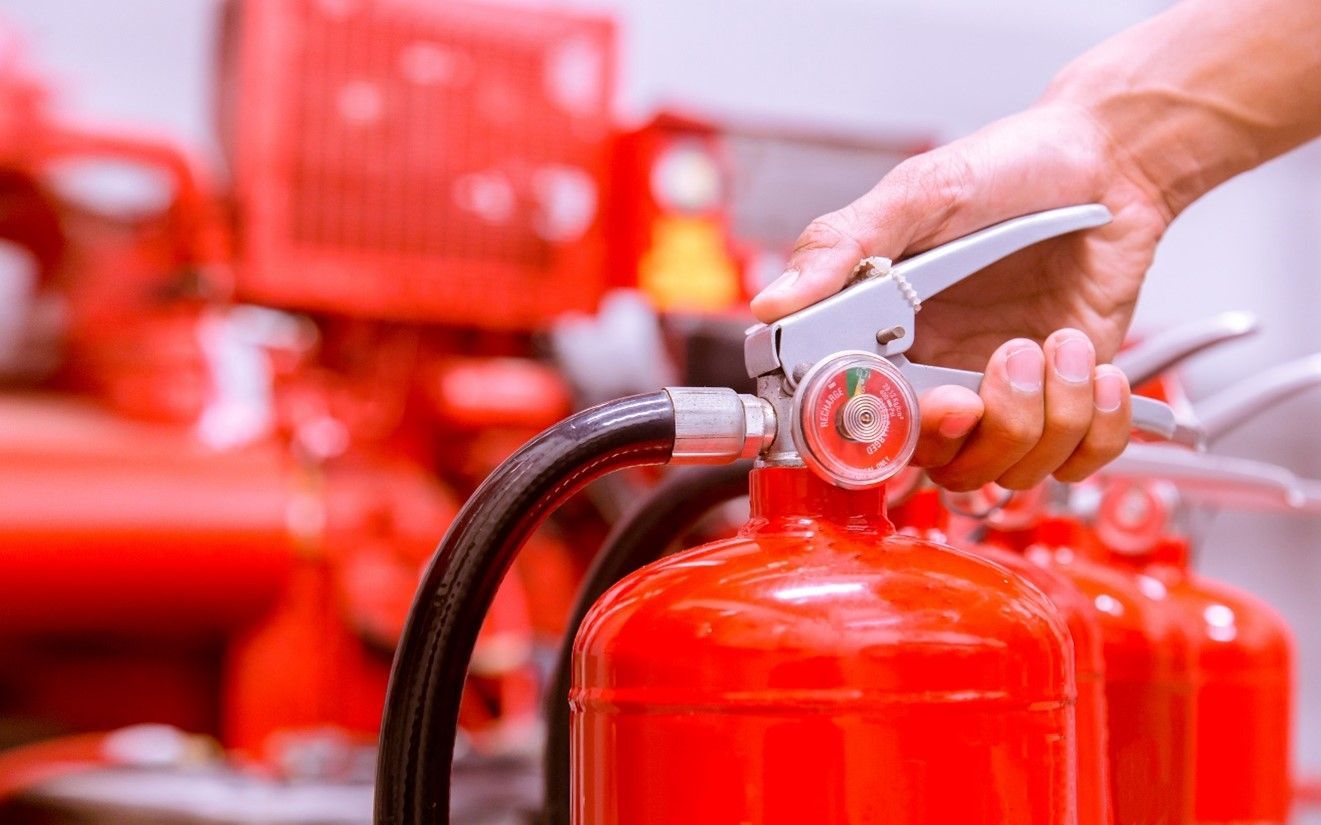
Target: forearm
1204 91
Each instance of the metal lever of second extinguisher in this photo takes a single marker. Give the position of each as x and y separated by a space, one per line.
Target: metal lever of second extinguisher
1236 404
1159 353
1149 415
1214 479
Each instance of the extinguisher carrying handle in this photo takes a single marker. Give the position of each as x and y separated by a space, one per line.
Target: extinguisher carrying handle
875 313
1204 478
1240 402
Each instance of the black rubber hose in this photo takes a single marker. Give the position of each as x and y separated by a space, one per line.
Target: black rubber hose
669 512
422 703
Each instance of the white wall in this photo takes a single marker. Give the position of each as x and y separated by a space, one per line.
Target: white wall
939 67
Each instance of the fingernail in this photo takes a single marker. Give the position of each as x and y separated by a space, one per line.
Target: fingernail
1024 367
1073 359
1108 391
956 425
783 282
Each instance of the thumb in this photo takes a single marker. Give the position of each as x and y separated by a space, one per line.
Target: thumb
915 196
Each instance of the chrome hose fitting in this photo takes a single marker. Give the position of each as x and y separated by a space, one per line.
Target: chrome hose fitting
716 425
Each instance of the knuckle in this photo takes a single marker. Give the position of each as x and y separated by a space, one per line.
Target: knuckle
1018 432
933 456
1018 479
1071 422
1092 454
1072 473
830 231
941 180
955 482
1102 446
817 235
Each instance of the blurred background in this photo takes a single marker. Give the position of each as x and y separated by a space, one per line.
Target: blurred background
280 282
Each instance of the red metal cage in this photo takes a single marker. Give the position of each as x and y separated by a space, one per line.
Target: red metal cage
404 159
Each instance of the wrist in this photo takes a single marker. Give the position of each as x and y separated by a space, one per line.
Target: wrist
1166 129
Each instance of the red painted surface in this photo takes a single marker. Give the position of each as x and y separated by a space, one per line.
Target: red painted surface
820 668
152 537
453 172
1244 696
1149 676
922 515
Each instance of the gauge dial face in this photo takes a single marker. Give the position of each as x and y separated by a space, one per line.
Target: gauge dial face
855 419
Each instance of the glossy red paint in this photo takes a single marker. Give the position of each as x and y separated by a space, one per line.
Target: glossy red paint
820 668
922 515
1244 691
1149 676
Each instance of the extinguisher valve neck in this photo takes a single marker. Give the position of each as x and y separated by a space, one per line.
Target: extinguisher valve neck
716 425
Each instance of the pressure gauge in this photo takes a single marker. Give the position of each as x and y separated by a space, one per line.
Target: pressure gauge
855 419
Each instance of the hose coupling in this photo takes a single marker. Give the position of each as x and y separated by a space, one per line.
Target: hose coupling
716 425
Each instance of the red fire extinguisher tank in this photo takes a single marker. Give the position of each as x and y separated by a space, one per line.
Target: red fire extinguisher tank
923 515
820 668
1149 676
1244 654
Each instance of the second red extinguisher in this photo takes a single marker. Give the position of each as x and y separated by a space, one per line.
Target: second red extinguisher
922 513
1245 663
1148 665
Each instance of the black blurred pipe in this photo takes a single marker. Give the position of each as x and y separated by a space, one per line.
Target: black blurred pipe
422 703
669 512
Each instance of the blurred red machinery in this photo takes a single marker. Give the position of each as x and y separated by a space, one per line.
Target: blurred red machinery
232 499
270 519
448 172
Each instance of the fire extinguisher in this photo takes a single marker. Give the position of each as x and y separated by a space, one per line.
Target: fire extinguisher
1147 648
914 507
1146 653
644 535
1244 649
922 513
1243 655
1149 677
818 667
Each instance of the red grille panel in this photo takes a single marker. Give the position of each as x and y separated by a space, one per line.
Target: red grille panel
409 159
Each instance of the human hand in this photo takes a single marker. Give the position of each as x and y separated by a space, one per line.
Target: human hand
1075 294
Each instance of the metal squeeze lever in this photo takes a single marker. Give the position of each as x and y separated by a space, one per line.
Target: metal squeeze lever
874 319
1204 478
1238 403
1221 481
1164 350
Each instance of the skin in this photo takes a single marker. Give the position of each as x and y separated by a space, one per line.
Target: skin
1145 123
